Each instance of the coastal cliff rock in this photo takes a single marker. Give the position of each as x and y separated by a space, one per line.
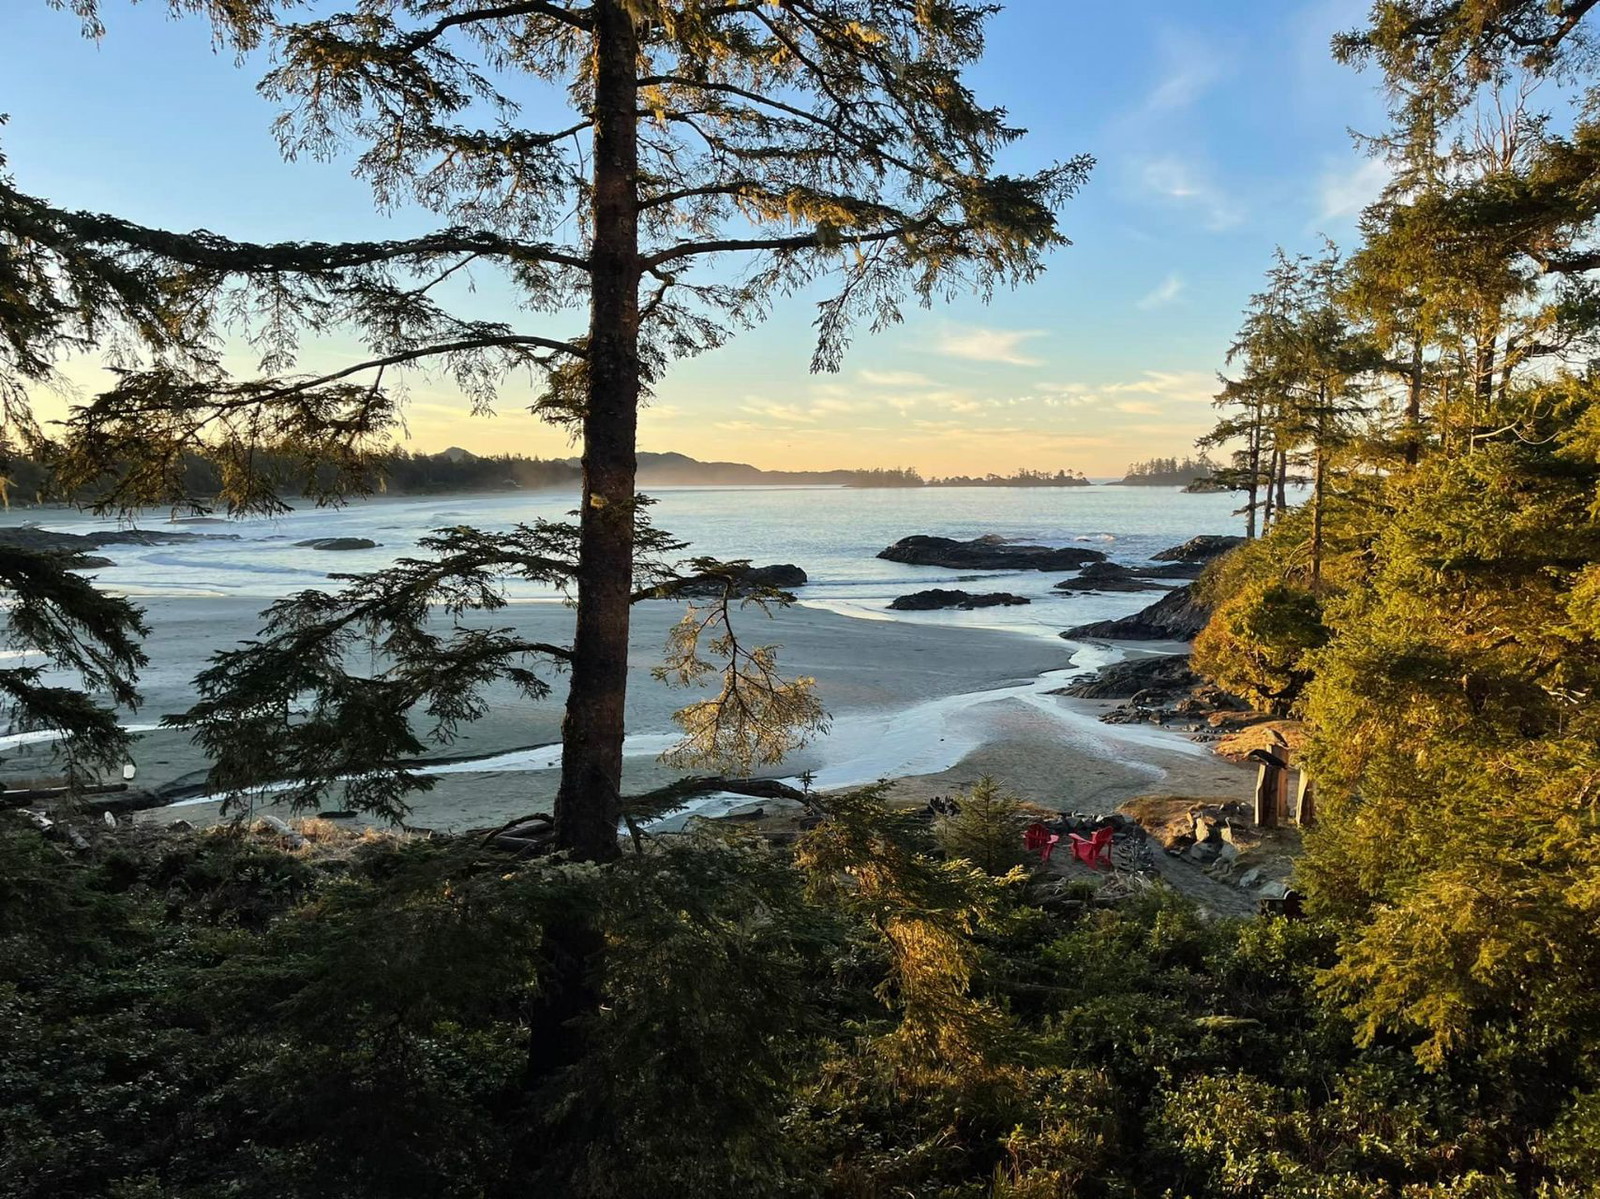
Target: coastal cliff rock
1176 616
1205 548
986 553
928 601
338 543
1165 674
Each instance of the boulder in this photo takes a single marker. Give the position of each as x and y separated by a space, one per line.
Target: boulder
782 576
338 543
1163 673
1204 548
928 601
1176 616
986 553
89 562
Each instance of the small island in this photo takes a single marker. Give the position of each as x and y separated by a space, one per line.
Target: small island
1192 474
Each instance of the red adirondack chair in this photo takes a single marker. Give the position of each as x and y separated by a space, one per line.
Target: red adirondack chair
1040 840
1092 850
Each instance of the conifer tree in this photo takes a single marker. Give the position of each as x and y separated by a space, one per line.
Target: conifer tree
716 156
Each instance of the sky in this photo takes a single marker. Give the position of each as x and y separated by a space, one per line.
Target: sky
1221 130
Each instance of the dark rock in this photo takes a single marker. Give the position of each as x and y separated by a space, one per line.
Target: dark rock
1165 674
778 577
1176 616
1204 548
89 562
29 537
338 814
782 576
928 601
338 543
1108 576
986 553
1113 576
1202 853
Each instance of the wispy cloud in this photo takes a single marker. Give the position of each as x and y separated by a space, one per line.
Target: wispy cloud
1164 293
988 345
1187 67
779 412
1345 191
1179 182
896 379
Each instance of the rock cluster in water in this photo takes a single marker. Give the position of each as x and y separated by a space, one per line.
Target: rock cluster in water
986 553
1204 548
928 601
338 543
1113 576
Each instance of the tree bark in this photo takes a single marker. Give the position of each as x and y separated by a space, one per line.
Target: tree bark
1413 446
588 804
1255 482
1317 494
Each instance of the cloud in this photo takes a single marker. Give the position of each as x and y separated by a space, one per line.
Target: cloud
1181 183
1164 293
1186 386
779 412
1344 192
988 345
896 379
1188 67
1139 407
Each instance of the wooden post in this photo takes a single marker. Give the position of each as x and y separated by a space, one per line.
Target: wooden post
1266 798
1305 802
1271 798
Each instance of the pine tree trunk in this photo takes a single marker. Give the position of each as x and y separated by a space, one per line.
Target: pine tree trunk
1266 500
1283 482
1318 492
588 803
1255 483
1413 448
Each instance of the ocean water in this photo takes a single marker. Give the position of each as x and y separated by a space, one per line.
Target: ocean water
832 533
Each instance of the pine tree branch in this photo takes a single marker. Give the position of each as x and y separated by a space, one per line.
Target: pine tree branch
523 8
803 241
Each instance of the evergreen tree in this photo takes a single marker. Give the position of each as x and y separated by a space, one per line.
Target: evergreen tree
821 141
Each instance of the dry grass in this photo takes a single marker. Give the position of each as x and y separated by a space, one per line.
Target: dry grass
1269 735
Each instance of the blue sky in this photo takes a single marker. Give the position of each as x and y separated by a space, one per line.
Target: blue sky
1220 129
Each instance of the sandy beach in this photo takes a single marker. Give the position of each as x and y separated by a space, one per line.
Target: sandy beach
934 707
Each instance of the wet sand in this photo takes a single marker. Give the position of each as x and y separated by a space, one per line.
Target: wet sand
934 707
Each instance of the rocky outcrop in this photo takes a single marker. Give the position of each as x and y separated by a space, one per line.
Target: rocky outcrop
1163 674
28 537
781 575
338 543
1176 616
986 553
1205 548
928 601
1108 576
778 577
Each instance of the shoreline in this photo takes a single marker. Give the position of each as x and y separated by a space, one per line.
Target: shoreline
931 707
